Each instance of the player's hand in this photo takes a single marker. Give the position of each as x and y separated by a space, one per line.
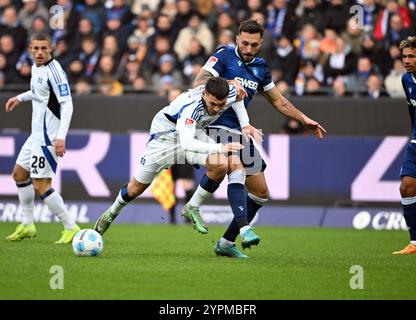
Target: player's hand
59 147
11 104
231 147
250 131
241 92
315 127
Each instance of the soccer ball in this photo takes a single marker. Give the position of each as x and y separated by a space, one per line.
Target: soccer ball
87 243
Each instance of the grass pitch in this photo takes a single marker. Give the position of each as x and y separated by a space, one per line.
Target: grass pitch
174 262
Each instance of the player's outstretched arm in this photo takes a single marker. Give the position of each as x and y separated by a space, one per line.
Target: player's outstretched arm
284 106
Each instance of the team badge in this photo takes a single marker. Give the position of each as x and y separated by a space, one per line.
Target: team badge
63 90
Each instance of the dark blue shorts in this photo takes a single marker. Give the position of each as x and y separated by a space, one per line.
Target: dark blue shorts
250 157
409 161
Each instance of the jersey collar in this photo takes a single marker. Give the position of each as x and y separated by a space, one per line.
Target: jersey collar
236 52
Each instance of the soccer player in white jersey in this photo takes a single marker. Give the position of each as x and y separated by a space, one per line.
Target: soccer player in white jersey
37 161
177 134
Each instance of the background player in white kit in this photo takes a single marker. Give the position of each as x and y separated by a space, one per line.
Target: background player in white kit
177 134
37 161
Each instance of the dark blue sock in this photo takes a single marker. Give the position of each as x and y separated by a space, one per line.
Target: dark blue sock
237 199
409 211
124 194
208 184
233 230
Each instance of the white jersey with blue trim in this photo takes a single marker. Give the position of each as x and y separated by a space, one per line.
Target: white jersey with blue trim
189 105
187 114
51 103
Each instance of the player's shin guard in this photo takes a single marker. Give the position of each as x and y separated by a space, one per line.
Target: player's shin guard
206 188
56 205
237 198
26 195
409 211
253 205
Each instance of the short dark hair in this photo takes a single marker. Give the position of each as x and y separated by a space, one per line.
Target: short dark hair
410 42
218 87
251 26
40 37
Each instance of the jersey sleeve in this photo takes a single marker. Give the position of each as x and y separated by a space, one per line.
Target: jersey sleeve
59 82
186 128
216 63
267 83
232 95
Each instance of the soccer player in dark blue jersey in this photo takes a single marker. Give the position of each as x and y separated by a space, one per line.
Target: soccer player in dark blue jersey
408 169
242 67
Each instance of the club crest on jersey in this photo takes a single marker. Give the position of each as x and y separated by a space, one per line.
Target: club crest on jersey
211 62
189 121
63 90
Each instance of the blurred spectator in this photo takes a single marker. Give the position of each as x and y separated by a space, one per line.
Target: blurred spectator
184 14
195 29
374 84
357 81
94 11
32 9
311 14
131 70
306 82
327 44
23 74
393 81
85 29
139 6
285 58
281 18
151 62
106 69
76 71
7 73
121 10
339 88
197 56
383 22
139 84
371 10
225 22
396 32
284 88
143 30
39 25
167 70
89 55
341 62
111 48
8 48
62 53
115 28
163 28
308 43
170 9
110 87
336 15
82 87
219 7
353 36
267 47
9 24
226 38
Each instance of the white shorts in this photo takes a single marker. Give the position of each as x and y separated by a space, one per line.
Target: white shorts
165 151
40 161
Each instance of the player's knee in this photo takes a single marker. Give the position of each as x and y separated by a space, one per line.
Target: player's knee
20 175
407 189
262 192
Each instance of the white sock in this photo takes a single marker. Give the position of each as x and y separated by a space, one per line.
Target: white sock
243 229
26 195
56 205
413 242
117 205
225 243
200 195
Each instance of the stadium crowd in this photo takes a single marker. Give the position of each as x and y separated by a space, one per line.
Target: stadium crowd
313 47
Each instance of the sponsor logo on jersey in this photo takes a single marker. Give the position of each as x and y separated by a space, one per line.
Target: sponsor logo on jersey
189 121
247 83
63 90
211 62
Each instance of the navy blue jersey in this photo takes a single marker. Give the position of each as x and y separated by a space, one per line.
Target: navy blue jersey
409 86
253 76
